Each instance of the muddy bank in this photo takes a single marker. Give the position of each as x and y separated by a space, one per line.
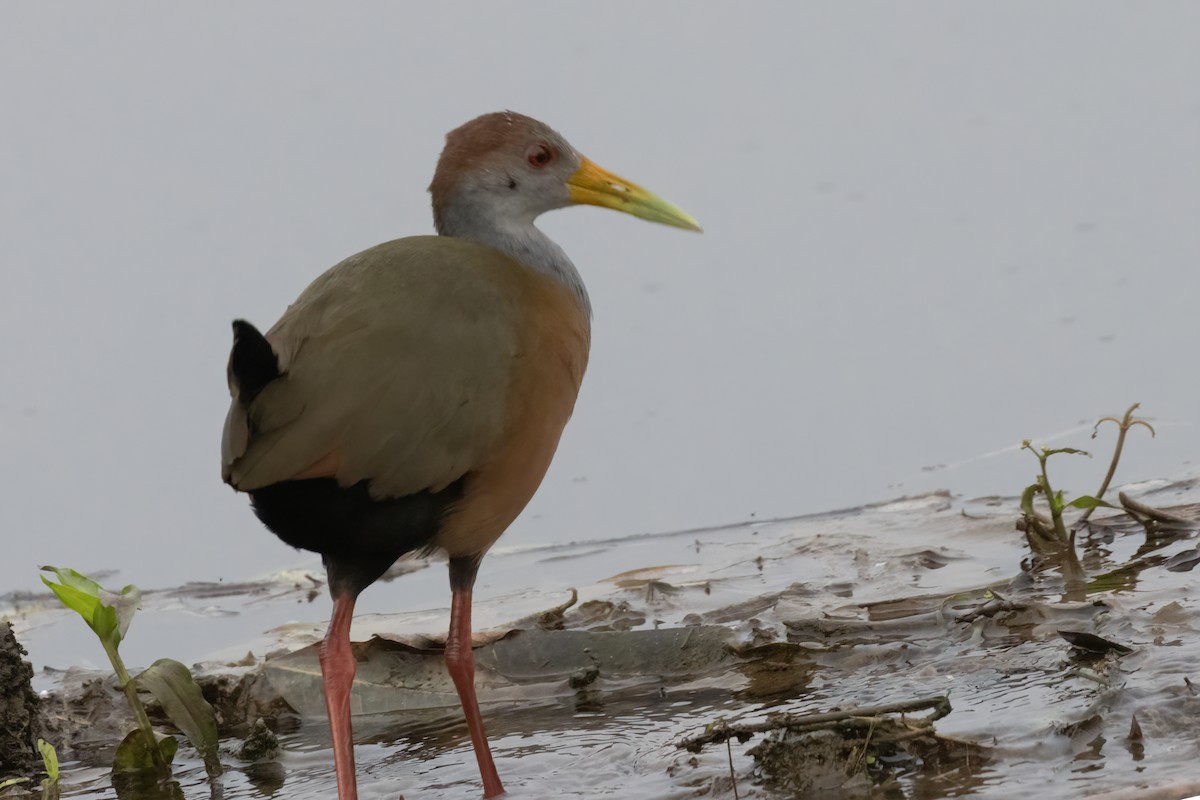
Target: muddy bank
20 716
927 596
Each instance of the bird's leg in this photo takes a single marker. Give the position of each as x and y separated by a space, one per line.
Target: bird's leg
337 676
460 662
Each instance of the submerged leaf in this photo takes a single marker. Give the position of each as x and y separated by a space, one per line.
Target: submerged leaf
1093 643
173 685
134 756
1183 561
4 784
1135 730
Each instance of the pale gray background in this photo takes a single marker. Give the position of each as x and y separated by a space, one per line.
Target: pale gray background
932 230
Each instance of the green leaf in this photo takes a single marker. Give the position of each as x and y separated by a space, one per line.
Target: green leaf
12 782
49 759
107 613
1057 503
76 580
76 599
172 684
126 603
1047 452
133 753
1087 501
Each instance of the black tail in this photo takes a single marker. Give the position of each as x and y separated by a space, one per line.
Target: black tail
252 362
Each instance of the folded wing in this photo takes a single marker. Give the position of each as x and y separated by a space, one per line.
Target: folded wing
394 367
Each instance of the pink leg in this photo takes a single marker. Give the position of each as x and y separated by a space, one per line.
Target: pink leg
337 676
460 662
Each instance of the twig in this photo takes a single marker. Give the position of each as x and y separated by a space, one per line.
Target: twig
862 717
732 776
992 606
1157 514
551 617
862 752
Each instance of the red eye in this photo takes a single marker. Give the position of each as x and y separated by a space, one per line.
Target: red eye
539 156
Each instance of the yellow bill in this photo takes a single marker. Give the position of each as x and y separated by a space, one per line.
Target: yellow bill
594 186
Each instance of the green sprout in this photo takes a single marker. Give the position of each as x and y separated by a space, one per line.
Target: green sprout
49 765
1049 535
108 614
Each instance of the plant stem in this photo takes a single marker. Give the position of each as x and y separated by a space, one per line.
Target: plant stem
1074 577
1060 530
1112 467
129 687
1123 426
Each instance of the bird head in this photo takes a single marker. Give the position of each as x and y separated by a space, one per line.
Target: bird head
511 167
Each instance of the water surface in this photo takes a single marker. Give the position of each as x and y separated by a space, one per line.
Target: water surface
931 232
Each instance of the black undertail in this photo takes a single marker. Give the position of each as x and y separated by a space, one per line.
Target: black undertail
252 362
358 536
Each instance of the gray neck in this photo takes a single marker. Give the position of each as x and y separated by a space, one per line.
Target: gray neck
521 241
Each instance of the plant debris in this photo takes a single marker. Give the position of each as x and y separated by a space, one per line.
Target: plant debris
1094 644
860 718
836 752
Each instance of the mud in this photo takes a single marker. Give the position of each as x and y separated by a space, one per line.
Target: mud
743 626
20 724
891 758
88 717
261 745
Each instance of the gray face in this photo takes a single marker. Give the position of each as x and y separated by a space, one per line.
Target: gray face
507 167
526 175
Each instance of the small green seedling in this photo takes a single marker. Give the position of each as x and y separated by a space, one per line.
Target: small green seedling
49 761
1049 535
49 764
108 614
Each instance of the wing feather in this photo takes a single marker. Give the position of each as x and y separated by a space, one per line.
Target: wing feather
395 365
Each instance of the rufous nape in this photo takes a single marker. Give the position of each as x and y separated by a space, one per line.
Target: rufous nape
412 397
